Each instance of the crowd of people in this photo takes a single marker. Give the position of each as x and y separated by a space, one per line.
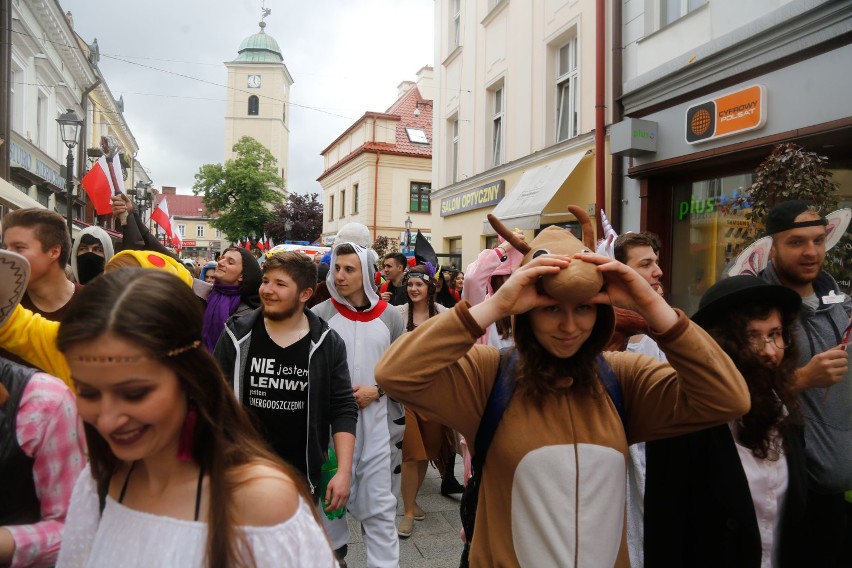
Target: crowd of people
153 413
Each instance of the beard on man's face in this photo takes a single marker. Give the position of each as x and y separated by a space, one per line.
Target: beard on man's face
280 313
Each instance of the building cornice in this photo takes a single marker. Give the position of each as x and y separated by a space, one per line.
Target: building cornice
369 149
566 146
59 33
784 32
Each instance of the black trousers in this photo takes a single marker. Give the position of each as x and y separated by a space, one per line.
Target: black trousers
826 522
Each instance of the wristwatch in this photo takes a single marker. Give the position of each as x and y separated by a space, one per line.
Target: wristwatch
381 391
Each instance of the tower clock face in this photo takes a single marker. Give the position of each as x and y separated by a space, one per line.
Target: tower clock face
254 81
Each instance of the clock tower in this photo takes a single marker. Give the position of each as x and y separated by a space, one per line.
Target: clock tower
259 98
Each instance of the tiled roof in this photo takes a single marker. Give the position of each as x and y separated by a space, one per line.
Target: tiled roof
403 109
183 205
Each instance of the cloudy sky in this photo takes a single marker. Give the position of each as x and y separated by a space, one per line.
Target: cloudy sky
166 59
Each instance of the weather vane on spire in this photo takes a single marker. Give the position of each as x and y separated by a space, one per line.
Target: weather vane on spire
264 11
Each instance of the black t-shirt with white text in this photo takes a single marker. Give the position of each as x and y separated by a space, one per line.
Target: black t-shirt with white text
275 391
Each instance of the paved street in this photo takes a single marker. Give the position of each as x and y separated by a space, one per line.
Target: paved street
435 541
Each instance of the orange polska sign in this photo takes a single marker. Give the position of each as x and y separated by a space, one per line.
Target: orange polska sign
734 113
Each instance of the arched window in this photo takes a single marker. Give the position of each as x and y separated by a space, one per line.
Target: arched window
254 105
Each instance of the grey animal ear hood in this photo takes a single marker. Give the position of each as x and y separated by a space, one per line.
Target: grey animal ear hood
368 258
97 233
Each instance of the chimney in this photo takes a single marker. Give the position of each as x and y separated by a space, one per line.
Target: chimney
425 84
169 190
403 88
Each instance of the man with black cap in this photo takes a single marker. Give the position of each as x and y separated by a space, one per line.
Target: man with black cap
796 261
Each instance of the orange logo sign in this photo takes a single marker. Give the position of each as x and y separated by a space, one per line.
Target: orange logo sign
729 114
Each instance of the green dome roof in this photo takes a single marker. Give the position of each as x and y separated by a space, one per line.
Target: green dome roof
259 48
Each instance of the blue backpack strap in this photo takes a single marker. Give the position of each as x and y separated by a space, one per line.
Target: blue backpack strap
613 387
498 400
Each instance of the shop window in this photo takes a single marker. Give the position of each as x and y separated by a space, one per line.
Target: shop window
253 105
420 196
706 236
567 90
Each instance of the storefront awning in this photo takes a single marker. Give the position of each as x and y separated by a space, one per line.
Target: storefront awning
523 206
16 197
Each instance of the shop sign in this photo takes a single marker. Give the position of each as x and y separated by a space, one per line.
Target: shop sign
734 113
633 137
19 156
476 198
189 243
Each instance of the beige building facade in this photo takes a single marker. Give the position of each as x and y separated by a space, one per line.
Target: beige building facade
514 118
379 171
258 98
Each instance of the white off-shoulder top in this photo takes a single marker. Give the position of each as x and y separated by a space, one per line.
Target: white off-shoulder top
130 538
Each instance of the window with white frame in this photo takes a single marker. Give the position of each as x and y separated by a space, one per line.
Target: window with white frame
342 203
455 24
567 90
218 233
199 231
16 95
182 230
497 126
41 121
354 198
671 10
454 150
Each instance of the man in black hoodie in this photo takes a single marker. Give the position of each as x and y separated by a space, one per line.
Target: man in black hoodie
289 369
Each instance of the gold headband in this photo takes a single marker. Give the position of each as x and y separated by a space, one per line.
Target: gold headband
136 358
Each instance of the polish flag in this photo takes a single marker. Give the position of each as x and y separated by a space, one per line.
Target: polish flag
177 241
261 245
99 187
161 217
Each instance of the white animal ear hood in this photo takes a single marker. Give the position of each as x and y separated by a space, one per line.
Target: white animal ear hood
368 258
356 233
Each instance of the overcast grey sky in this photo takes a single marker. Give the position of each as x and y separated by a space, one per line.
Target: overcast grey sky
346 57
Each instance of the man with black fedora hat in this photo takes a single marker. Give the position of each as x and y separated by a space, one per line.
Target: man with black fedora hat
734 495
798 231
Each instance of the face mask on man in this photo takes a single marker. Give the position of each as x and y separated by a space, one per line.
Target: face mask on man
89 265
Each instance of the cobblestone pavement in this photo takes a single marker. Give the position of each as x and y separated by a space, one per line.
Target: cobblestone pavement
435 541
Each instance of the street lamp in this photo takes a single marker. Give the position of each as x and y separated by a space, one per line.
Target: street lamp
408 224
69 128
288 226
142 198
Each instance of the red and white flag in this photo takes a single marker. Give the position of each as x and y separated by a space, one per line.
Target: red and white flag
160 215
177 241
99 185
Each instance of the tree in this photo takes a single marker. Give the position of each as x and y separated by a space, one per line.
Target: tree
241 191
383 245
305 214
791 172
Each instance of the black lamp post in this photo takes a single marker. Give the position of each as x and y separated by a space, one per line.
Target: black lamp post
69 128
408 224
142 198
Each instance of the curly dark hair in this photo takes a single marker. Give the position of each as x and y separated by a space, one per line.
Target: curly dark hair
540 375
771 389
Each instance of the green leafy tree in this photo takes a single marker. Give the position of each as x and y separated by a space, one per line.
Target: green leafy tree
791 172
241 192
305 215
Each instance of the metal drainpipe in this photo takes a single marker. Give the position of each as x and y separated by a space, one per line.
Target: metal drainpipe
600 107
617 173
